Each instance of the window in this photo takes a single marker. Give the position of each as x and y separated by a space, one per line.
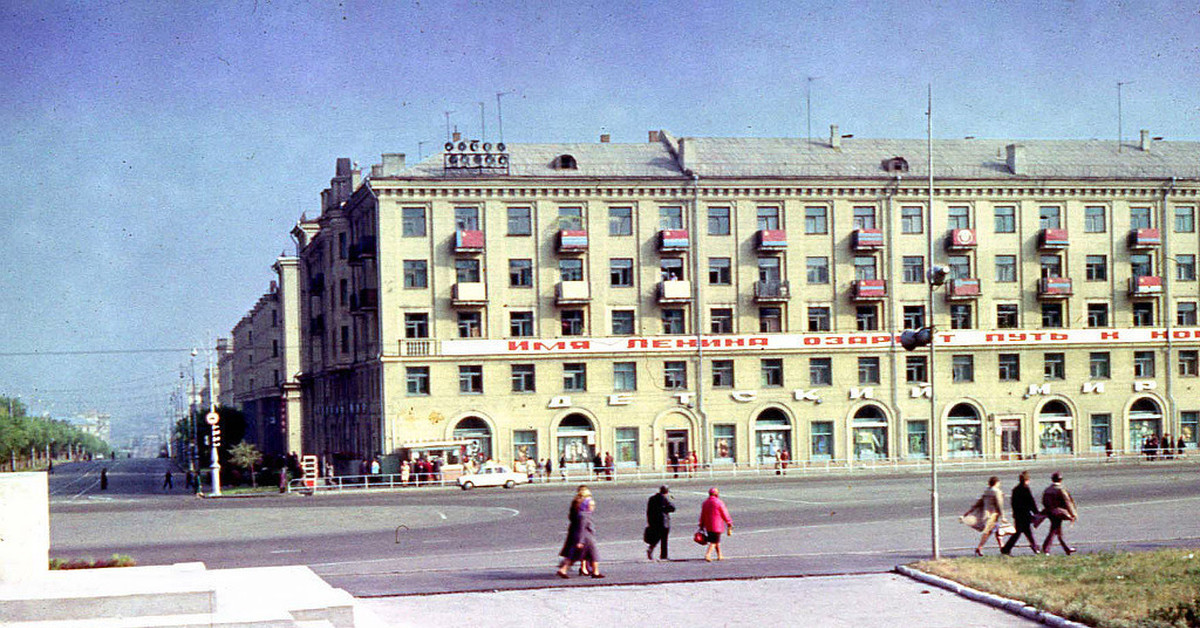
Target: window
523 378
570 218
572 322
718 221
1052 315
722 373
671 269
818 270
1005 219
719 273
818 318
770 319
959 217
520 221
670 217
913 269
962 368
469 325
722 320
1006 268
1054 366
724 444
866 317
413 222
914 317
1143 314
864 267
864 217
960 316
821 443
1189 363
1185 313
1189 422
570 269
1007 316
1139 217
820 371
525 445
622 323
868 371
1051 266
912 219
768 270
1101 431
1009 367
1093 219
574 377
343 291
414 273
416 325
1143 364
520 273
960 266
1185 267
620 272
466 270
620 221
768 217
416 380
624 376
520 323
1097 267
1185 219
675 375
672 321
342 245
816 220
772 373
627 446
466 218
1050 217
470 378
1099 365
916 369
1097 315
1141 265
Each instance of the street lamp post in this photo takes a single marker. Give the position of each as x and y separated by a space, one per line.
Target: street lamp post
934 432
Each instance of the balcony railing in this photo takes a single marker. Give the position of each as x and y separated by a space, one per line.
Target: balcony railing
468 294
674 291
961 239
572 241
869 290
572 292
468 241
868 239
418 348
673 240
963 288
772 240
772 291
1053 239
1142 239
1054 287
1145 286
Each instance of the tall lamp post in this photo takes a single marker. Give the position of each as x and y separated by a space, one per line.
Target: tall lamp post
213 420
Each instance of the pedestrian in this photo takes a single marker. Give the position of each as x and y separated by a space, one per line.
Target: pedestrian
714 520
597 466
1025 515
785 457
436 469
580 544
189 480
562 467
693 462
104 479
608 466
283 479
673 465
986 514
658 523
1180 446
405 472
549 470
168 482
1108 450
375 468
1058 506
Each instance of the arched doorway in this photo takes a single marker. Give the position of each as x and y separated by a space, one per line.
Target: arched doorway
963 432
576 441
1055 428
1145 420
870 433
478 435
772 435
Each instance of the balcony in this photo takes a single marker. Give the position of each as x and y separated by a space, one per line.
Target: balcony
572 241
1053 239
772 240
363 249
772 291
962 289
869 290
572 293
673 240
1145 286
1054 288
674 291
316 326
868 239
468 242
316 285
471 294
961 240
365 299
1145 239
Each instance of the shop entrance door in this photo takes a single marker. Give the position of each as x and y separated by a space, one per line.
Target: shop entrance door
677 445
1010 439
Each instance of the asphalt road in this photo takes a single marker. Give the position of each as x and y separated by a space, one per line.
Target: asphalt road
439 540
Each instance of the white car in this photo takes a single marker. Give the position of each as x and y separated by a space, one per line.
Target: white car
496 475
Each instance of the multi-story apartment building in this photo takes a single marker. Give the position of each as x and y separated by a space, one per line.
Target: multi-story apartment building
743 297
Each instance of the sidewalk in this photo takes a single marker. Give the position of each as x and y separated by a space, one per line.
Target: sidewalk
883 599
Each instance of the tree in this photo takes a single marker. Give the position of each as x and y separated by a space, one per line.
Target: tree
246 455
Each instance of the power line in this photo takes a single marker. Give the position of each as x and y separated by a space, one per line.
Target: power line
26 354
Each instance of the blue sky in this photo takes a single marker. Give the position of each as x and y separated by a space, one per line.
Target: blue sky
156 154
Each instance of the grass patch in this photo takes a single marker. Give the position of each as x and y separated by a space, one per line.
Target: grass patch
246 490
1108 589
116 560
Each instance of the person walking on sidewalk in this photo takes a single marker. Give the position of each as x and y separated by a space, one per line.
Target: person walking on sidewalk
580 544
1025 510
104 478
714 520
1058 506
658 523
985 515
168 482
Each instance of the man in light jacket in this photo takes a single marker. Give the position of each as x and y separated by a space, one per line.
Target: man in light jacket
1058 507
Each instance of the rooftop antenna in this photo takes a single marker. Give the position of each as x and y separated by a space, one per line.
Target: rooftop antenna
420 145
448 125
482 123
1120 129
808 104
500 114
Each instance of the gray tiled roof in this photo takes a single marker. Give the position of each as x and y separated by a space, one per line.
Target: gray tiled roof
594 160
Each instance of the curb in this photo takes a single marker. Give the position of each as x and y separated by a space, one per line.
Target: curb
1015 607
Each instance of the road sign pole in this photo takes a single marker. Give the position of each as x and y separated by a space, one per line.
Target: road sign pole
213 419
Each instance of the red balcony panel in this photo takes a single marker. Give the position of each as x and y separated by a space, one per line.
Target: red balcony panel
673 240
772 239
1145 286
1145 239
1054 287
1053 239
962 239
868 289
964 288
868 239
572 241
468 241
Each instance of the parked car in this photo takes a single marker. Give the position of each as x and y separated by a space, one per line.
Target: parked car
494 475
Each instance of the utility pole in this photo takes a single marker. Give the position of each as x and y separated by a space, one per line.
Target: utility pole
214 429
482 123
935 434
1120 119
808 104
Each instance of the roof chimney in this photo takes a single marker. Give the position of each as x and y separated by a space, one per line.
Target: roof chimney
393 164
835 138
457 136
604 138
1145 140
1016 158
653 137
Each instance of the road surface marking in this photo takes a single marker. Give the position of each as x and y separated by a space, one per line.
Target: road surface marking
286 551
441 514
769 499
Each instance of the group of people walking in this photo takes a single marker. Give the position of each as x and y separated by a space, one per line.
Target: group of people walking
987 515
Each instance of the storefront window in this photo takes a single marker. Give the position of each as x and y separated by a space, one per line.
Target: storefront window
1189 423
525 445
627 447
1101 431
1055 428
1145 420
773 435
870 434
723 444
575 438
478 436
918 439
963 432
822 440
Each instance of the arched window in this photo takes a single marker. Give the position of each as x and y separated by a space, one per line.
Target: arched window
565 162
1055 428
576 438
963 432
478 435
870 433
1145 422
772 435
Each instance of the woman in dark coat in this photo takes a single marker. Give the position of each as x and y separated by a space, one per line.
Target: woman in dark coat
580 544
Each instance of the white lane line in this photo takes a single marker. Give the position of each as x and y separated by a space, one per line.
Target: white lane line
286 551
767 499
441 514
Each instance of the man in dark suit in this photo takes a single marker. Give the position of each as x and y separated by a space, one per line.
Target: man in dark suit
1059 507
658 523
1024 509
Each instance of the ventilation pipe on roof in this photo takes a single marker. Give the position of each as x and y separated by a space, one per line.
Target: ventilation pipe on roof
604 138
393 164
653 137
1145 146
835 138
457 136
1016 158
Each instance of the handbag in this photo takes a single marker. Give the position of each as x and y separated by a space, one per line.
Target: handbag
700 537
648 536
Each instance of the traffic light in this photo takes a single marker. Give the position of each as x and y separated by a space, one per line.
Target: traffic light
937 275
913 338
216 436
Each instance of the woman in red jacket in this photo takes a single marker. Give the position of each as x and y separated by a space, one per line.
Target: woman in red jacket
714 520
